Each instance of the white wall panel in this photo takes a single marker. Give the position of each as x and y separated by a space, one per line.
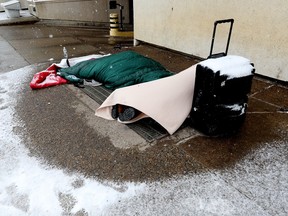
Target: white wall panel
260 30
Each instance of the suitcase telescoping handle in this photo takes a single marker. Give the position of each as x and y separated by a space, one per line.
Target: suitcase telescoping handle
231 21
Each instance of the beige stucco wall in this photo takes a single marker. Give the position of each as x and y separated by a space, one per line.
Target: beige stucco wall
260 30
78 10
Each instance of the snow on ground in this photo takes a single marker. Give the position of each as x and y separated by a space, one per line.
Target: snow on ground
28 187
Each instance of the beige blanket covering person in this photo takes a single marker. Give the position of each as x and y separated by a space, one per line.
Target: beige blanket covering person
168 100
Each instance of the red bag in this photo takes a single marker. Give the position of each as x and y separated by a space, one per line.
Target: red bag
47 78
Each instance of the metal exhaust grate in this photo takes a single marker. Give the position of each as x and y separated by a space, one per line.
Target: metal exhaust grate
97 93
146 128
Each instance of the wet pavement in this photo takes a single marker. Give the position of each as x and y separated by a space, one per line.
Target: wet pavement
185 174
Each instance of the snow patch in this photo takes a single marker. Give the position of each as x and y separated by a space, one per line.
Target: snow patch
231 66
237 107
28 187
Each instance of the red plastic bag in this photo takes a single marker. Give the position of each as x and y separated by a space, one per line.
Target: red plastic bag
47 78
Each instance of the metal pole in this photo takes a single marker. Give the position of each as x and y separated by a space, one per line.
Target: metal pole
121 17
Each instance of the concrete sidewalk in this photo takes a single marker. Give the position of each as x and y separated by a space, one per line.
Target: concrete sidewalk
55 149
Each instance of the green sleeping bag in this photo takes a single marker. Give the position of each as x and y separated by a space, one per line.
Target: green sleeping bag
116 70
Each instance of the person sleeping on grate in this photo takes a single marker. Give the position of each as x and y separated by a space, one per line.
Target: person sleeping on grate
124 113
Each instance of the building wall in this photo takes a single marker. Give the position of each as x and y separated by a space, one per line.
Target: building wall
259 33
78 10
24 4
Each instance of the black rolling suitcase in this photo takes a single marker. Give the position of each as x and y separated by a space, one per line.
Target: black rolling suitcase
220 102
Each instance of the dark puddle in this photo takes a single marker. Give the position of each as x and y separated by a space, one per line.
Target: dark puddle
59 135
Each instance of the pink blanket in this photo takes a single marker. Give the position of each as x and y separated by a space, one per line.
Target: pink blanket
168 100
